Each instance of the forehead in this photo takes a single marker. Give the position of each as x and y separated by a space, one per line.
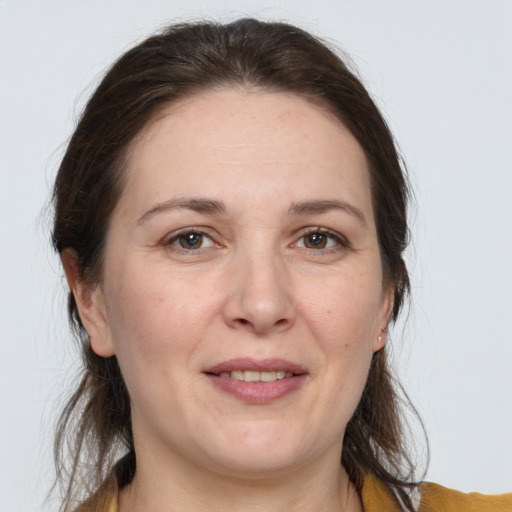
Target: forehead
253 141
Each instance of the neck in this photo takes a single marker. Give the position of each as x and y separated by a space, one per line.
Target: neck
182 485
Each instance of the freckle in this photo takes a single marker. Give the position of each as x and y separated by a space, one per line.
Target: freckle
346 345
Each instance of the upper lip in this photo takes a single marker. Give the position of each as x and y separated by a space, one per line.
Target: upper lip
256 365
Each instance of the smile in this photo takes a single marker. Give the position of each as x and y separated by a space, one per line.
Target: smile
254 376
257 381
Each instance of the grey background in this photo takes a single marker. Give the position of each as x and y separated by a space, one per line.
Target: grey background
442 73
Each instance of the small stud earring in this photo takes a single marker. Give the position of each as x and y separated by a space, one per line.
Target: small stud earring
380 339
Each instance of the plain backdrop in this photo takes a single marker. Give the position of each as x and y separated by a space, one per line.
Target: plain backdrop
442 73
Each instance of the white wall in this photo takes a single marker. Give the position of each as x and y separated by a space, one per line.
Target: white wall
442 71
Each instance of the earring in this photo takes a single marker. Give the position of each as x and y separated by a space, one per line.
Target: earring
380 339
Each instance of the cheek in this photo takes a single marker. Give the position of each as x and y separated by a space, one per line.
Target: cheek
343 320
156 325
155 322
344 312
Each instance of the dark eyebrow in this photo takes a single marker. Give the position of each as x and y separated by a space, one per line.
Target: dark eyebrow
197 204
323 206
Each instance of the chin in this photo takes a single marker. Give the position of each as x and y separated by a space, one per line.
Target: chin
258 455
258 466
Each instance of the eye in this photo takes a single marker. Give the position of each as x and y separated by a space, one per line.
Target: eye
315 241
190 240
318 239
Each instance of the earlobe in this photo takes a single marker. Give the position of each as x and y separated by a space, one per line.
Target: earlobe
380 342
90 302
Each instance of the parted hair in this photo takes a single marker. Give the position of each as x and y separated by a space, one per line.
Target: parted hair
94 437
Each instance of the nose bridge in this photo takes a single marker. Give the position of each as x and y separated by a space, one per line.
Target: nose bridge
260 294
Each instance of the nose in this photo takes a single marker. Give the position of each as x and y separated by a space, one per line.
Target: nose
259 296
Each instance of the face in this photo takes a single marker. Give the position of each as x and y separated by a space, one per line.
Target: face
242 288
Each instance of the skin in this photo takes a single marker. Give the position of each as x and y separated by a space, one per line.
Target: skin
254 286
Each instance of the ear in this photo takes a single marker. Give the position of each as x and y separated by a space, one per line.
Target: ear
384 318
91 305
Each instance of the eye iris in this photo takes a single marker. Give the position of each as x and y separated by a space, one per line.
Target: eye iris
315 241
191 241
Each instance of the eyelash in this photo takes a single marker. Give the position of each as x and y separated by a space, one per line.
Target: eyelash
174 238
340 241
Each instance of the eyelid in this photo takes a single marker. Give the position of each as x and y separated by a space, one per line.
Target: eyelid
340 240
171 238
338 237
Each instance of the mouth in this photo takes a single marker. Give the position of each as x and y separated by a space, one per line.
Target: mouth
255 376
257 381
256 370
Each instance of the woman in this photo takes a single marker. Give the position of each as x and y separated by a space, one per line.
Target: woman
231 218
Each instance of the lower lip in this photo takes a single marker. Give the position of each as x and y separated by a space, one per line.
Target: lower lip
258 392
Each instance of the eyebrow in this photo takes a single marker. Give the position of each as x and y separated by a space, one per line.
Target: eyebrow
197 204
324 206
213 207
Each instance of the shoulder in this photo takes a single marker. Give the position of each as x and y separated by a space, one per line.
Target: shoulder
436 498
430 497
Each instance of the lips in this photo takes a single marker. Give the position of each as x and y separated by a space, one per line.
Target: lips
257 381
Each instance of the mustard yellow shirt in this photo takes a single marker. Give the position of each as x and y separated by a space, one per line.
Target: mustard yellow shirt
376 498
431 498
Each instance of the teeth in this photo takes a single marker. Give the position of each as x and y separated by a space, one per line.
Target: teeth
268 376
252 376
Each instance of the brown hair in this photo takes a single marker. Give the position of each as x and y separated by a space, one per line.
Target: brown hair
95 425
